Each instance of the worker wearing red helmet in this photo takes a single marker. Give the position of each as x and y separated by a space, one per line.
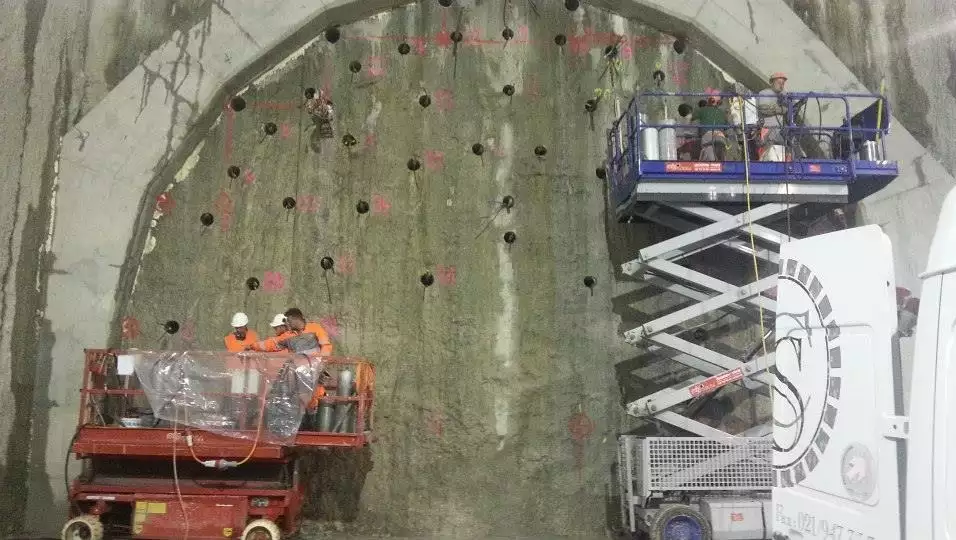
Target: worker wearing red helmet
772 109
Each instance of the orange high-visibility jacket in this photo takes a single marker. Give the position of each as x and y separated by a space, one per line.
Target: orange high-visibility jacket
234 345
325 343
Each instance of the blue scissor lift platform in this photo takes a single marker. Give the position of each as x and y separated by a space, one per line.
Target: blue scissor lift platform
836 160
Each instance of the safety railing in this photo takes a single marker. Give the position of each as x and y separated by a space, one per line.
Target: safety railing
131 400
815 127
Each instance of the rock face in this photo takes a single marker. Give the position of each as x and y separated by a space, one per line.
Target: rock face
481 374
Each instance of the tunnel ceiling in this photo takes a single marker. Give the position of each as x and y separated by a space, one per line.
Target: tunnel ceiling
497 405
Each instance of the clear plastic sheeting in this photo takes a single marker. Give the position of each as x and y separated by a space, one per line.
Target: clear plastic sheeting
258 396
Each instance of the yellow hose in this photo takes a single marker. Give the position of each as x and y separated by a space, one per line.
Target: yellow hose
750 223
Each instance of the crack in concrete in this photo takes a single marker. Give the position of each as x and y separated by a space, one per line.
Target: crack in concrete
753 23
228 13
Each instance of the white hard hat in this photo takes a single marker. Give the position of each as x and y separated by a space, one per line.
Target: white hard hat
278 320
240 319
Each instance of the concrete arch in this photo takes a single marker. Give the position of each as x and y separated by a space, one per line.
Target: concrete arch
143 130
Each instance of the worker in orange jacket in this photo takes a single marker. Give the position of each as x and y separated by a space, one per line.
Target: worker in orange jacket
296 321
241 335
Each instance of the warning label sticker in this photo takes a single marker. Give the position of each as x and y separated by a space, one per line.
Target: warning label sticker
694 166
710 384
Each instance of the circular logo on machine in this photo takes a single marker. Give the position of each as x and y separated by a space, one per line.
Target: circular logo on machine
806 389
858 471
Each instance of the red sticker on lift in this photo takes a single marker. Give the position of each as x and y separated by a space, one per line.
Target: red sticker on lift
717 381
694 166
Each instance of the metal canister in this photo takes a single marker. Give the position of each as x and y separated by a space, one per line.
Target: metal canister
650 148
870 151
667 141
343 411
325 415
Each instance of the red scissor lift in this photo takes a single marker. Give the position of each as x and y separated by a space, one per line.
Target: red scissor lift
149 473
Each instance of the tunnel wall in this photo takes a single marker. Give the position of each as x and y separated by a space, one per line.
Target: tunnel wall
49 42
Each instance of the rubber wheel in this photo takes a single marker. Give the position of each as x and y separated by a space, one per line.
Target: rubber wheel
85 527
261 529
680 522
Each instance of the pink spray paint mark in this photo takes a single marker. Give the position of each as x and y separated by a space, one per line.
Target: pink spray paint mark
130 327
249 178
435 423
371 141
308 204
346 264
444 100
273 281
380 205
286 131
376 66
188 332
165 203
447 275
434 160
225 208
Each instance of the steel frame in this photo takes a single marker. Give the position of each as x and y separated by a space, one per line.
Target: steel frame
658 265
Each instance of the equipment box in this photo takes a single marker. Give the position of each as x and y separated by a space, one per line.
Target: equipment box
737 519
209 517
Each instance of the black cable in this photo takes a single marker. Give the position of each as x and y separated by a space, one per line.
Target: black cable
66 468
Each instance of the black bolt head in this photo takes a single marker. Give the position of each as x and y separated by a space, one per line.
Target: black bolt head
456 36
510 237
233 171
610 51
413 164
309 93
684 109
349 140
404 48
572 4
206 219
702 103
560 40
252 283
362 207
601 173
288 203
478 149
326 263
425 100
508 202
508 90
590 105
332 34
270 128
680 44
659 76
589 281
171 327
540 151
427 279
355 66
444 3
507 33
237 103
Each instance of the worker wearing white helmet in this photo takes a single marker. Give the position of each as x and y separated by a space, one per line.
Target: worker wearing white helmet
279 324
241 336
772 108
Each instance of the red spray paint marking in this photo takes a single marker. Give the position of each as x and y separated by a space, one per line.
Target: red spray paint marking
443 38
331 325
434 160
447 275
418 45
580 426
188 332
444 99
286 130
679 72
308 203
532 88
165 203
225 208
435 423
249 178
273 281
345 264
376 66
371 141
380 205
130 328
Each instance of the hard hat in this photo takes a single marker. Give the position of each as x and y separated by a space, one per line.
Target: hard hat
240 319
778 75
278 320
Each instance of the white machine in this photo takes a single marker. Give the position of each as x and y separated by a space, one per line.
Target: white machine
847 464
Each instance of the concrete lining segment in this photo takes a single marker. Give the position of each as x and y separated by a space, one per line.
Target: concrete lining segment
147 125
